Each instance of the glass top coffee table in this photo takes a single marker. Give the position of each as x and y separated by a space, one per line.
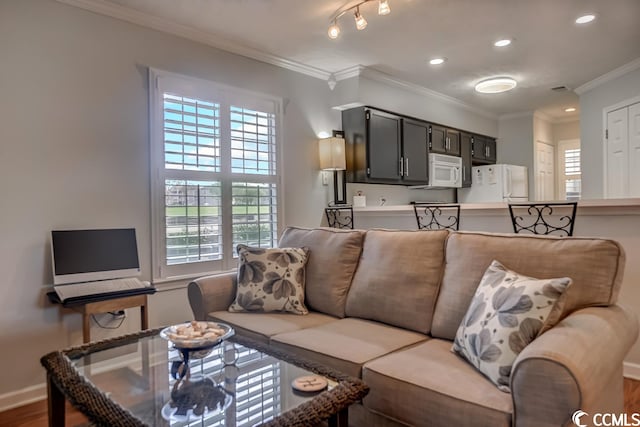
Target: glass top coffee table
142 380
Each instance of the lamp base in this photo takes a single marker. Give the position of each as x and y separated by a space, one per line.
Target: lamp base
337 198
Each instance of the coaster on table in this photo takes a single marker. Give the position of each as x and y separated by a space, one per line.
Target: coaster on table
309 383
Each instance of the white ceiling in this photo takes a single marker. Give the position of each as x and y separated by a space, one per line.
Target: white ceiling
549 49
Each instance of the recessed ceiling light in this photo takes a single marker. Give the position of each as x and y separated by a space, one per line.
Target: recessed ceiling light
437 61
496 85
585 19
570 109
502 43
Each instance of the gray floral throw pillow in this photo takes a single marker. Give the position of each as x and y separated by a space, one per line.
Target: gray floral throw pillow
271 280
507 313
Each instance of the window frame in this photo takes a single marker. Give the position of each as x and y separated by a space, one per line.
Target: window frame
161 82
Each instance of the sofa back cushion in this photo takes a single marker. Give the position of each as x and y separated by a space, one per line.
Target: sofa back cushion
398 277
596 267
333 258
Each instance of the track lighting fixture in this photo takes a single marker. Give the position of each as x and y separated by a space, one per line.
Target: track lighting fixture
361 23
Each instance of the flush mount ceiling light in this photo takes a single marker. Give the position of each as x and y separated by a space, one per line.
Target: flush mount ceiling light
496 85
361 23
585 19
570 109
502 43
437 61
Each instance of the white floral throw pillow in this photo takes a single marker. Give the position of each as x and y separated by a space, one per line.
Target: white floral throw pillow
507 313
271 280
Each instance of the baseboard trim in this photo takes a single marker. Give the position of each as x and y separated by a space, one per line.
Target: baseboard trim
22 397
631 370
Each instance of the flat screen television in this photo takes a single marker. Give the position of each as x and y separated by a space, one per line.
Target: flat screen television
89 255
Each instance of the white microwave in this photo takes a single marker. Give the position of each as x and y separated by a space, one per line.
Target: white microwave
444 172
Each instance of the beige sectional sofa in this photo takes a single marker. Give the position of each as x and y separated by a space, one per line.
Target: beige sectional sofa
385 306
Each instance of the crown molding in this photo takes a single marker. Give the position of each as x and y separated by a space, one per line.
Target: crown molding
543 116
516 115
570 119
611 75
381 77
350 72
136 17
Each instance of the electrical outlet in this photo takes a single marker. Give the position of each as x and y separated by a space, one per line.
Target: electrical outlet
325 178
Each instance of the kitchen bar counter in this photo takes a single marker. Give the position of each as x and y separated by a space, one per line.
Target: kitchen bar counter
587 207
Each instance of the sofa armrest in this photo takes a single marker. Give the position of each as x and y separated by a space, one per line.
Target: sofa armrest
575 365
212 293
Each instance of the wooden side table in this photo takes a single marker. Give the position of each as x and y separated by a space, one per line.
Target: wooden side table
89 306
114 304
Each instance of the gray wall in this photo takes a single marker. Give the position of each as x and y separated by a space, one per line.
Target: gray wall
592 104
515 143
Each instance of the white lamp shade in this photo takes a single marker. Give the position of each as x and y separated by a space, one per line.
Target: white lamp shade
331 152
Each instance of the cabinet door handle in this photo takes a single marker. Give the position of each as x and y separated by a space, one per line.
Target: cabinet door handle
401 167
406 167
464 174
488 151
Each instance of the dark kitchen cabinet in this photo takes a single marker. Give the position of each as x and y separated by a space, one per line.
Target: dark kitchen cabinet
484 150
444 140
384 148
466 142
415 152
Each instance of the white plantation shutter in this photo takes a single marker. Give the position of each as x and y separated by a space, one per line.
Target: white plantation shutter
570 172
216 181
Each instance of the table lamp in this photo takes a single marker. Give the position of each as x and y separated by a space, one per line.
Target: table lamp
332 158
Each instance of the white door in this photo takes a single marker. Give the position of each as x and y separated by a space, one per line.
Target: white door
634 150
617 151
545 172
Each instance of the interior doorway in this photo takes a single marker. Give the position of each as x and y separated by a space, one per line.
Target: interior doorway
544 172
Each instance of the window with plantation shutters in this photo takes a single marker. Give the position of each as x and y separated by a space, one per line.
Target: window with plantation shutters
570 172
216 182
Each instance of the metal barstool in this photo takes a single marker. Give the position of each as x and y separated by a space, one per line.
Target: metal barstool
536 218
437 216
340 217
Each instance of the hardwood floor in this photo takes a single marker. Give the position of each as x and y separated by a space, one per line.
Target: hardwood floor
35 414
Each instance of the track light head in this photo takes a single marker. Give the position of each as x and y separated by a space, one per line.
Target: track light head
361 23
334 30
383 7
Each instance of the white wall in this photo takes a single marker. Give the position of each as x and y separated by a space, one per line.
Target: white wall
592 104
74 153
566 130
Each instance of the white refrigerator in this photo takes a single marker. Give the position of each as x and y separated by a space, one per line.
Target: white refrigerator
496 183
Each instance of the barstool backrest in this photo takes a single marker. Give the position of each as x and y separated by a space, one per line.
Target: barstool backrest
536 218
437 216
340 217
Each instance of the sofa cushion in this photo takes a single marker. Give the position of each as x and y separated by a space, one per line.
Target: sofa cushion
595 266
345 344
270 280
261 326
506 314
333 257
429 385
398 277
